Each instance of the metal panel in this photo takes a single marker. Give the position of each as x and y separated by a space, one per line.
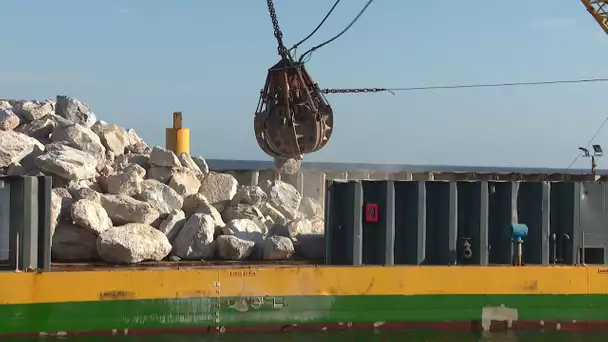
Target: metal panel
374 233
45 186
530 206
29 233
344 225
500 217
472 222
592 237
389 241
5 203
410 223
438 223
563 219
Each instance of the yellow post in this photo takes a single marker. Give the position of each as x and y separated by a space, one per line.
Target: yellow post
178 138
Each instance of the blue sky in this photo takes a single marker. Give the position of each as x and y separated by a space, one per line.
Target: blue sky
137 61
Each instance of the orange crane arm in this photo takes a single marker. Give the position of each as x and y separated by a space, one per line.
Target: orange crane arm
599 11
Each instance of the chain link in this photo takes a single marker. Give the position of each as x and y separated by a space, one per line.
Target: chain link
277 30
353 91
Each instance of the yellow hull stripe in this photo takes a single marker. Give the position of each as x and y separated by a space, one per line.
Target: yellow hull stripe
53 287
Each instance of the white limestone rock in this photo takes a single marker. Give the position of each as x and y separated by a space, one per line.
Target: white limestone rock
8 120
208 209
202 164
128 182
75 111
268 210
160 173
91 216
113 137
311 208
244 211
67 162
187 162
83 139
164 157
219 188
71 243
184 181
244 229
195 239
172 225
230 247
32 110
162 197
132 243
250 195
192 202
123 209
42 128
15 146
299 227
277 248
284 197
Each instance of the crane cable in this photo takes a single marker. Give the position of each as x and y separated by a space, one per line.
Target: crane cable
296 45
461 86
587 146
314 48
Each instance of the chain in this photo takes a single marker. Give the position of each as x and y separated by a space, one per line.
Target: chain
277 30
353 91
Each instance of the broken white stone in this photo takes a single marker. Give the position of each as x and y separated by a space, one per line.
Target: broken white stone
71 243
311 208
318 226
136 144
230 247
75 111
219 187
195 239
160 173
8 120
15 146
68 163
208 209
189 163
132 243
192 202
123 209
173 224
277 248
32 110
244 229
284 197
202 164
164 157
84 192
162 197
249 194
128 182
268 210
83 139
90 215
299 227
241 211
113 137
184 181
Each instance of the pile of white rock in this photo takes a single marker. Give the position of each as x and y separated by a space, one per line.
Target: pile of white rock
117 200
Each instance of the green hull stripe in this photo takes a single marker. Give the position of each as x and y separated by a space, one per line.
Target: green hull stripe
197 312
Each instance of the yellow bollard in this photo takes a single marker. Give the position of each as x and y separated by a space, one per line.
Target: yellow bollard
178 138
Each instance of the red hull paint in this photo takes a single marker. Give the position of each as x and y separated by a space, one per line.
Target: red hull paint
463 326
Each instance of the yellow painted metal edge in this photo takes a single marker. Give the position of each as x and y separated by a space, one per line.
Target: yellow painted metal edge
53 287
